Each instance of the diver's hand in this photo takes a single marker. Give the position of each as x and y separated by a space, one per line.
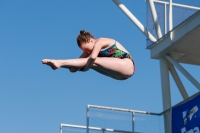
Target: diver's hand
83 69
73 69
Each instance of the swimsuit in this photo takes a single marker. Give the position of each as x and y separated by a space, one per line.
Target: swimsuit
113 51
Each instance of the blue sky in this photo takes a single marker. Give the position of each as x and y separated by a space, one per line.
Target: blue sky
34 98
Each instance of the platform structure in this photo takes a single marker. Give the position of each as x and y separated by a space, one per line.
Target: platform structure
102 119
172 39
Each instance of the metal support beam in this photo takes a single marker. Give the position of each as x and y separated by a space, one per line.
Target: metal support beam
184 72
170 16
170 19
155 18
165 19
133 122
61 128
135 21
178 81
87 119
166 93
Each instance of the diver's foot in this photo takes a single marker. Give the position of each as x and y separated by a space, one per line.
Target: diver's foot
54 64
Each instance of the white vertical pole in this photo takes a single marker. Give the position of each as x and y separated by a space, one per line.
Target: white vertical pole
165 19
165 93
178 81
170 16
135 21
155 18
61 128
87 118
133 121
184 72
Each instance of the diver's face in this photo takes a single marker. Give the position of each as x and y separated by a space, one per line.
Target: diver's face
88 46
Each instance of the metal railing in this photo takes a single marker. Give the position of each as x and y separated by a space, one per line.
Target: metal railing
69 128
125 119
168 15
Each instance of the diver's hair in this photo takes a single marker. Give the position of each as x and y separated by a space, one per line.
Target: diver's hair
84 37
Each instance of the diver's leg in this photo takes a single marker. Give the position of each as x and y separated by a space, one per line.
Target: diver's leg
55 64
122 68
117 67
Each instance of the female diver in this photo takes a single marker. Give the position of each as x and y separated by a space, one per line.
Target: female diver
104 55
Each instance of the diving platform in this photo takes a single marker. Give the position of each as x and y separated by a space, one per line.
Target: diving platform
182 43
